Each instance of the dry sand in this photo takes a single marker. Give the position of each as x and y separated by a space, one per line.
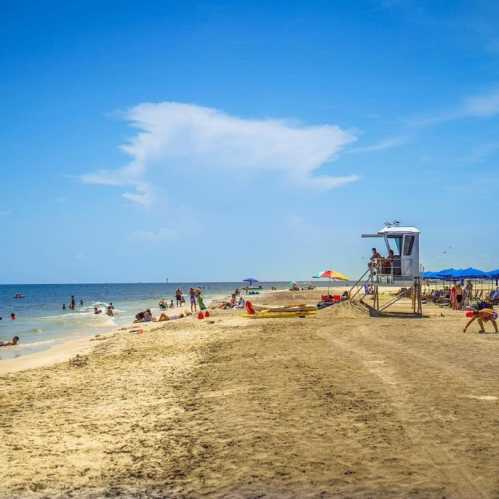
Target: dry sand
337 405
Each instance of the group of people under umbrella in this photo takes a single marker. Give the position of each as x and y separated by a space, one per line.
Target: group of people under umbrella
461 274
465 296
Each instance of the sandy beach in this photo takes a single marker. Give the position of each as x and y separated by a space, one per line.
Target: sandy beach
335 405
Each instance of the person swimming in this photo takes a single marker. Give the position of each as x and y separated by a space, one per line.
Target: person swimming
13 342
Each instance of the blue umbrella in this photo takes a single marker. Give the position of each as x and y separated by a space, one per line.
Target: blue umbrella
250 280
493 274
471 273
448 274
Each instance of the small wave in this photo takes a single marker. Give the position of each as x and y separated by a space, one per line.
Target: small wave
73 316
66 316
35 343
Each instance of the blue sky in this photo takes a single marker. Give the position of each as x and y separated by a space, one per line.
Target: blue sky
213 140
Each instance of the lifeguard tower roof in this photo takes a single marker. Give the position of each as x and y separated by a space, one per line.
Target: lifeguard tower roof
393 229
397 229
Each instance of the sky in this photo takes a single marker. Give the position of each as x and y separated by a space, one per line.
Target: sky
216 140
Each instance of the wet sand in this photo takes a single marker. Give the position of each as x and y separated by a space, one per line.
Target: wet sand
336 405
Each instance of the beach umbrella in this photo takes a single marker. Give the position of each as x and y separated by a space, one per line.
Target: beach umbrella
448 274
332 275
493 274
250 280
471 273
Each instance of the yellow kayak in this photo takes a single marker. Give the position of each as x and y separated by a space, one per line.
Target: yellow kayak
286 308
269 314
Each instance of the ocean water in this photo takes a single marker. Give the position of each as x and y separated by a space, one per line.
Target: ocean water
42 323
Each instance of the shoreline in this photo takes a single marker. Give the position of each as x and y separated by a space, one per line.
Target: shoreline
51 356
66 349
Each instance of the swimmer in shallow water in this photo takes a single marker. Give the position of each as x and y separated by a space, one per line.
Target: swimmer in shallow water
14 341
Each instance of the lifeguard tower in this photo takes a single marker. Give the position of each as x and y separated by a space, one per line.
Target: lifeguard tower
400 265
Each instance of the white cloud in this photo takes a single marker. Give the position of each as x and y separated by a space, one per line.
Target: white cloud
478 106
482 105
143 194
382 145
174 135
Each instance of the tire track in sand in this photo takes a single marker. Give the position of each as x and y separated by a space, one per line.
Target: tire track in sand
452 470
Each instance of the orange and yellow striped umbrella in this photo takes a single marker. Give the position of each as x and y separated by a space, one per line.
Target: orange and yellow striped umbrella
332 274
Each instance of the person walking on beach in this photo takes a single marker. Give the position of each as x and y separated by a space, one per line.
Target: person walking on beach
178 297
468 294
452 296
459 297
72 304
192 297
